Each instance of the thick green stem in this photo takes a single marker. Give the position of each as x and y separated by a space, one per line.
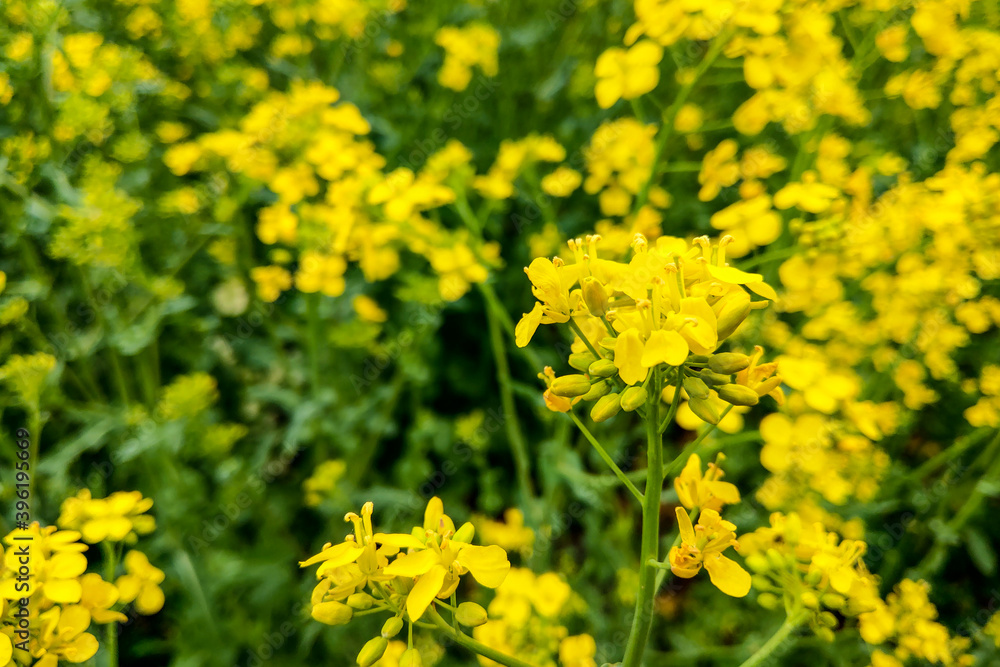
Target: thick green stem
510 421
468 642
650 545
777 640
607 457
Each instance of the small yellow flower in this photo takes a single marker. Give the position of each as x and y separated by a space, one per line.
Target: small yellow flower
702 546
627 74
141 584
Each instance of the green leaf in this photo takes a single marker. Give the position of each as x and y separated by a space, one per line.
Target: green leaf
981 551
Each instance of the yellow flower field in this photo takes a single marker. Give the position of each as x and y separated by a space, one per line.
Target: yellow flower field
574 333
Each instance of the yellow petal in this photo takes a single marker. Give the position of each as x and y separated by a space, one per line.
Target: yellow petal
414 564
81 649
763 289
684 525
424 591
68 565
488 565
727 575
628 357
150 600
729 274
6 649
62 590
664 347
725 491
525 329
433 513
341 554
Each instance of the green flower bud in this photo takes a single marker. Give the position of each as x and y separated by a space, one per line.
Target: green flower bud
826 634
372 651
392 627
768 600
827 619
757 562
810 599
332 613
360 601
728 363
411 658
470 614
704 410
597 390
570 386
603 368
737 394
581 360
732 316
606 407
813 578
833 601
695 387
595 296
465 533
713 379
633 398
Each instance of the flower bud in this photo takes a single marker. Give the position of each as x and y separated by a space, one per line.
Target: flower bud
768 600
633 398
826 634
606 407
465 533
833 601
595 296
775 558
704 410
470 614
696 387
757 563
411 658
581 360
392 627
728 363
372 651
597 390
603 368
332 613
713 379
570 386
360 601
731 316
737 394
810 599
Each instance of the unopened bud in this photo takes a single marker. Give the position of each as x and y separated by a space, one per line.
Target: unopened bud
595 296
332 613
392 627
372 651
603 368
633 398
704 410
606 407
737 394
728 363
833 601
360 601
768 600
810 599
411 658
713 379
470 614
597 390
731 316
695 387
570 386
581 360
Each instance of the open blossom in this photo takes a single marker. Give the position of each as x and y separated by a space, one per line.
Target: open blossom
702 545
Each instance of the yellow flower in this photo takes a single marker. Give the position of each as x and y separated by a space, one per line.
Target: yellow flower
141 584
627 74
271 281
62 636
704 491
120 516
368 309
577 651
719 169
702 545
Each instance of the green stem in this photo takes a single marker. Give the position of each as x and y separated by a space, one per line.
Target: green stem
312 314
468 642
673 410
607 457
111 629
650 545
34 442
586 341
776 641
513 428
494 305
116 364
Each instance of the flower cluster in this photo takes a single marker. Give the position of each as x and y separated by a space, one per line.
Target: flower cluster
63 600
358 575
